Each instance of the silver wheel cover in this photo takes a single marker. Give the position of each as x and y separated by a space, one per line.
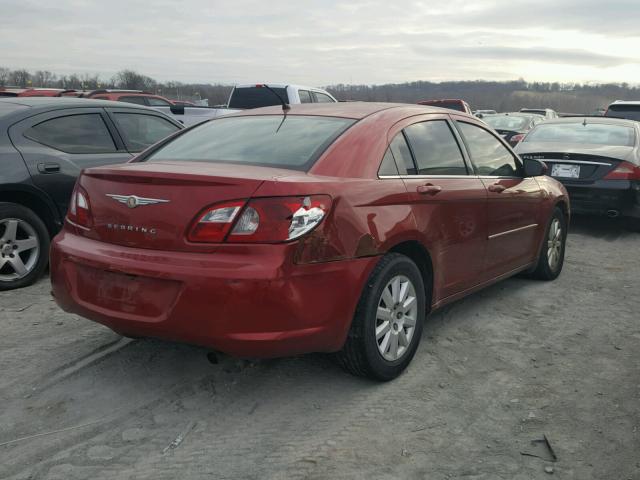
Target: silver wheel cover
396 318
19 249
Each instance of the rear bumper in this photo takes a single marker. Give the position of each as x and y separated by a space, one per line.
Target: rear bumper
251 302
604 196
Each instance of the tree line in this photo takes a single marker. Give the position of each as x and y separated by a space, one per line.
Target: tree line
480 94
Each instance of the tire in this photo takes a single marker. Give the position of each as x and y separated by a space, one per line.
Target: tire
362 353
551 258
24 246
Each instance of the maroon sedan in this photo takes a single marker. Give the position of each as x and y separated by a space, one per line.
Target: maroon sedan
333 228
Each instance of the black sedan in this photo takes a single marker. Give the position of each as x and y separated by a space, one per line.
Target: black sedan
513 126
596 158
44 144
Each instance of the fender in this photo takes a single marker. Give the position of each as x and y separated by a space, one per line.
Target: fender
36 199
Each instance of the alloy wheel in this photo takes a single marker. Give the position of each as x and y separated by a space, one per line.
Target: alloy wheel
396 318
554 244
19 249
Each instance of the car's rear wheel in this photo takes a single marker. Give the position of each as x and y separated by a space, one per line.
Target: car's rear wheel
551 258
24 246
387 326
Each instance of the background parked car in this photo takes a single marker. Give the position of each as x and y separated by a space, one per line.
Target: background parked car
545 112
44 144
512 126
450 103
624 109
596 158
338 256
138 97
480 113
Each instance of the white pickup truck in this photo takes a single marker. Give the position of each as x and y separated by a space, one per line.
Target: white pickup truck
249 96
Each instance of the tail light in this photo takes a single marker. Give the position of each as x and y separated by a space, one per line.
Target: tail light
517 138
80 208
261 220
624 171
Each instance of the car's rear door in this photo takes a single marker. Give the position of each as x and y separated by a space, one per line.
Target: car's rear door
514 211
449 203
57 145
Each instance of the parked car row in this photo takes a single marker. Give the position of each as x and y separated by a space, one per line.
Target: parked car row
335 256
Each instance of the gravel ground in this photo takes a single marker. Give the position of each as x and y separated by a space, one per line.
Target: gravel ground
494 372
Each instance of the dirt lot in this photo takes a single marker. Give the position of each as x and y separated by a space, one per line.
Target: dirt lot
494 372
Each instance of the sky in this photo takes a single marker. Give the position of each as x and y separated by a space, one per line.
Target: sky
325 42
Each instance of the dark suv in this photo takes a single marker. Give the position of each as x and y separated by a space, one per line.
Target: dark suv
44 144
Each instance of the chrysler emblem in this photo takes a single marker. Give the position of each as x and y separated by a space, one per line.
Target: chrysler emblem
133 201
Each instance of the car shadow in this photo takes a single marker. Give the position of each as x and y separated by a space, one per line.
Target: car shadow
599 227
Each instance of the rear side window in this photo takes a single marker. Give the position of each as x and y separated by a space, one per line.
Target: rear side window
388 165
435 149
85 133
139 130
322 98
293 142
305 96
402 155
133 99
255 97
488 155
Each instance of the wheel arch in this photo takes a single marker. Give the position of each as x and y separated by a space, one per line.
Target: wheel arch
417 252
35 201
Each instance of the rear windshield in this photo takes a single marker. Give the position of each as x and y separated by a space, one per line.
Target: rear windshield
255 97
506 122
591 133
632 112
293 142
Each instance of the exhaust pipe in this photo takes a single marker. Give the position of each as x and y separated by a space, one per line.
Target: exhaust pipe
613 213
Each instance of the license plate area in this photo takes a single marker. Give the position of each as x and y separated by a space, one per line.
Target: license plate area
130 294
564 170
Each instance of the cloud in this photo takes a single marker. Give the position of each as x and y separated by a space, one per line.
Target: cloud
323 42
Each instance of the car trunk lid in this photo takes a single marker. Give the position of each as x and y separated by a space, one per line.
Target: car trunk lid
153 204
577 164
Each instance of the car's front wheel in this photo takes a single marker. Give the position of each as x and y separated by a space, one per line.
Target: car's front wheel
24 246
387 326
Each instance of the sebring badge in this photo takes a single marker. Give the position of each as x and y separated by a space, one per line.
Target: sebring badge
133 201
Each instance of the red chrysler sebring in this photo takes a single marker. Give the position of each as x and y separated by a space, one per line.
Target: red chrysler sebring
333 228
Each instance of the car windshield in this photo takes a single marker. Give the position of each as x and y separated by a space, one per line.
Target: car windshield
256 97
632 112
506 122
293 142
589 133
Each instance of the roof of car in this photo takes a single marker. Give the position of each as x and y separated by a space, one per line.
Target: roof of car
626 102
12 105
355 110
280 85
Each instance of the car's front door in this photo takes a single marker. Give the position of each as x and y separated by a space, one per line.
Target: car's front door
57 145
449 203
514 200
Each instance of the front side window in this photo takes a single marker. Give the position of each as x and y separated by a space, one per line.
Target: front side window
305 96
84 133
435 149
140 130
293 142
488 155
322 98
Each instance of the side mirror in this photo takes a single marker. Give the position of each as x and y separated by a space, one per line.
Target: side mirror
534 168
177 109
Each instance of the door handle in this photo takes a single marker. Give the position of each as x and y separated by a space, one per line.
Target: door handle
49 167
497 188
429 189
